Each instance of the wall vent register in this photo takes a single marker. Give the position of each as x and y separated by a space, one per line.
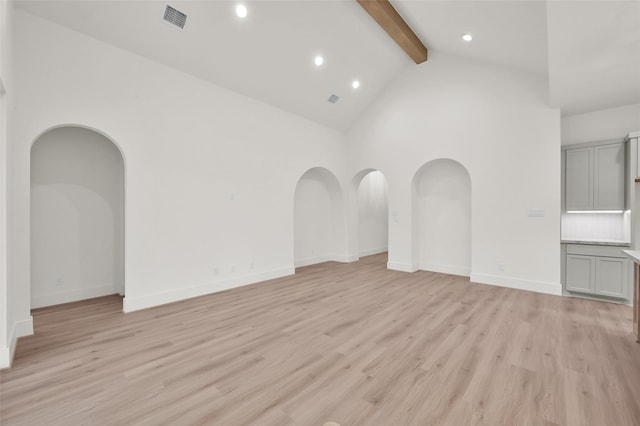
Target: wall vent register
175 17
333 99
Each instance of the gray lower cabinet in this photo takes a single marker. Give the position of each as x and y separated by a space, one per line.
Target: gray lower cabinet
598 271
611 277
581 273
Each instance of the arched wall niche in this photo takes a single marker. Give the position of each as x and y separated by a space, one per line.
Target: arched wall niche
441 192
77 224
318 218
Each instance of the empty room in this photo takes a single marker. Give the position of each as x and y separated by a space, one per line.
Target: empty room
310 212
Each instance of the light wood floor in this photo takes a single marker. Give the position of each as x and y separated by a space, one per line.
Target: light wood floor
350 343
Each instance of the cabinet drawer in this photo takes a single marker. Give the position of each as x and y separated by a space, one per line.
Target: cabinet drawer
590 250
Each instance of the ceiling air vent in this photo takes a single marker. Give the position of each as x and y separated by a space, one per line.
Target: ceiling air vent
333 98
175 17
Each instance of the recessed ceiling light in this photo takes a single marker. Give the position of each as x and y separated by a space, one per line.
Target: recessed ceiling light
241 11
467 37
318 60
355 84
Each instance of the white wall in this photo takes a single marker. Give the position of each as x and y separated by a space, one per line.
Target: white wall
442 205
497 124
15 319
211 174
373 214
614 123
5 63
319 218
77 217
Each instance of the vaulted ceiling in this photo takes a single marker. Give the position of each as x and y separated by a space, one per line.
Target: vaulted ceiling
588 50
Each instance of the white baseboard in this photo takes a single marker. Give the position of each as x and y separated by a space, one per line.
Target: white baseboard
401 266
312 260
20 329
446 269
326 258
345 259
66 296
518 283
372 251
131 304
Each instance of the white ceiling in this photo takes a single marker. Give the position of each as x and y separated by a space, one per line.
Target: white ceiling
590 50
594 54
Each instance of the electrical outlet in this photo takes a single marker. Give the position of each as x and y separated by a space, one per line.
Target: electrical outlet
59 281
233 268
251 265
501 267
215 271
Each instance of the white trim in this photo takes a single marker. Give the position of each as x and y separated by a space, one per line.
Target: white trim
372 251
19 329
312 260
131 304
66 296
446 269
401 266
345 259
518 283
326 258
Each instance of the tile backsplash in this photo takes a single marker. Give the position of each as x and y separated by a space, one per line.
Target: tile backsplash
596 226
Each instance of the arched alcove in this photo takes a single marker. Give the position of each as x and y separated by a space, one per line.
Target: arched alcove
370 207
442 217
318 218
77 216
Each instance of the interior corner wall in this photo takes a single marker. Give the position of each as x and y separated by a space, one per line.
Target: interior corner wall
15 318
210 174
496 123
606 124
77 217
6 41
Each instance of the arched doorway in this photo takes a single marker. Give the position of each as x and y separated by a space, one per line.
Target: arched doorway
77 216
318 218
370 193
442 217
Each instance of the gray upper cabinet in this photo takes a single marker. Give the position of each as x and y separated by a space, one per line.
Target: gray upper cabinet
609 177
579 179
594 178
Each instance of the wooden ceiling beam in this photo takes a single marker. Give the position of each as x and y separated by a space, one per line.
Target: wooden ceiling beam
390 20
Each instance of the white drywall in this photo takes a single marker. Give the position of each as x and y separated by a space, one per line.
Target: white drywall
5 64
497 124
614 123
210 174
15 318
373 214
77 217
318 217
442 209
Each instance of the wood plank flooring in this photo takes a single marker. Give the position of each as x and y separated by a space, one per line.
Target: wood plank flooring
351 343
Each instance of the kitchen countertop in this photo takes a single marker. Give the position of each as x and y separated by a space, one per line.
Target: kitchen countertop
598 242
633 254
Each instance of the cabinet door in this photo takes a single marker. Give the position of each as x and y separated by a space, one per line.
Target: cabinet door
580 273
612 277
609 177
579 179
